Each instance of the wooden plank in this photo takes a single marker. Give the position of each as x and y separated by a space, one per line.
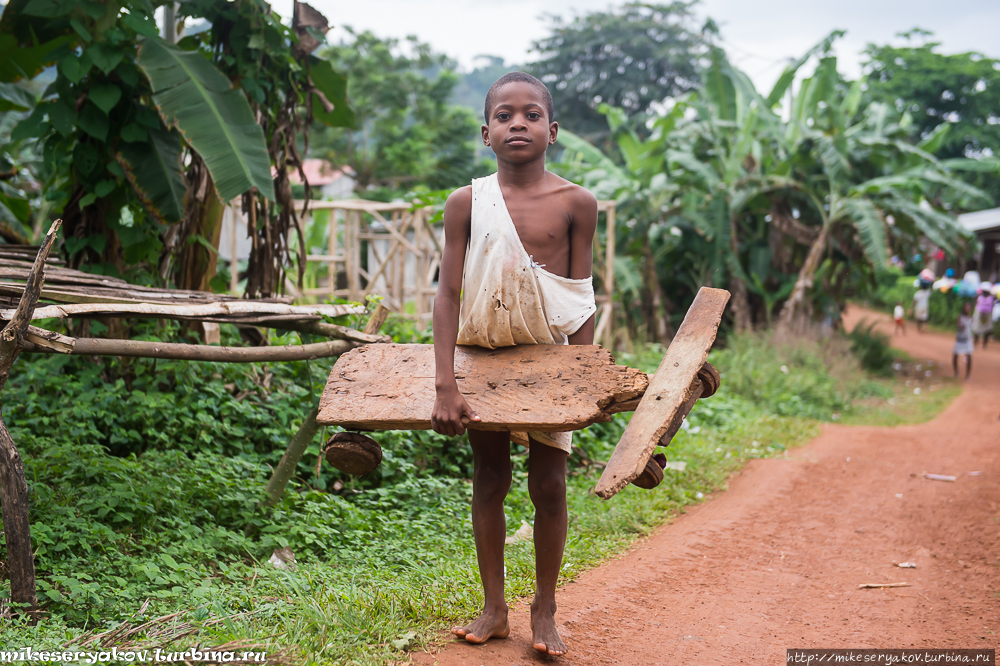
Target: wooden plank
669 389
530 387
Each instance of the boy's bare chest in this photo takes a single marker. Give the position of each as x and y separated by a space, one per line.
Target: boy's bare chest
544 231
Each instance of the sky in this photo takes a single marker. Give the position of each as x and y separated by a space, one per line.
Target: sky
760 36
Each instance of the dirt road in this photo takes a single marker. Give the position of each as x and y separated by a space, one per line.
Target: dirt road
775 561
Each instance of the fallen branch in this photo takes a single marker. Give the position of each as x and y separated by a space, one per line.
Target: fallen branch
13 487
182 352
873 586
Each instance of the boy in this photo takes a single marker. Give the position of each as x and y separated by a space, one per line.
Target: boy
897 315
518 250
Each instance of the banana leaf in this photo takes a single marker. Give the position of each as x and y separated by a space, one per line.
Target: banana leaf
155 172
197 99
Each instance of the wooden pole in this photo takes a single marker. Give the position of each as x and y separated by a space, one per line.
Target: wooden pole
609 278
307 431
182 352
13 486
331 266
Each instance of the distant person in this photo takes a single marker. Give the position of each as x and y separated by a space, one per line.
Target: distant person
897 315
963 341
982 321
921 307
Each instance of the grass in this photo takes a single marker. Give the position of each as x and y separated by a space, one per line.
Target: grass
386 562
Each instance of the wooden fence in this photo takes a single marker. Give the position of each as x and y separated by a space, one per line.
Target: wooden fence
393 250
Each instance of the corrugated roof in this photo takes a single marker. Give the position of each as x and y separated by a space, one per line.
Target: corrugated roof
981 219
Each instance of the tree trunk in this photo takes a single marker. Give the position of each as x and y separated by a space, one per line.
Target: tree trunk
197 262
658 322
792 310
16 529
740 305
740 302
13 487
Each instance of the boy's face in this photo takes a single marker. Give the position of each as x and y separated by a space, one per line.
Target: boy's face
519 128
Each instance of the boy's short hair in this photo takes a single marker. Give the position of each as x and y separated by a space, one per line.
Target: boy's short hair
518 77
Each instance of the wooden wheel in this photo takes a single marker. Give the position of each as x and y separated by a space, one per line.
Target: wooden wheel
353 453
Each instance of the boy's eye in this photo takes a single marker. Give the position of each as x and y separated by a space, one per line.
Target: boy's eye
503 116
534 115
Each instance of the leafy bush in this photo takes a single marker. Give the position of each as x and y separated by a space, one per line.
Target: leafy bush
872 349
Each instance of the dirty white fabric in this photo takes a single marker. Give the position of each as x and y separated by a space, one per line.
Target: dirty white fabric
507 298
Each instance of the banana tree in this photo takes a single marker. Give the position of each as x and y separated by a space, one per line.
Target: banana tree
857 167
644 196
144 141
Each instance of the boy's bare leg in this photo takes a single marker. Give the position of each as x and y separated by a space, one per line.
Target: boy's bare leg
547 487
490 483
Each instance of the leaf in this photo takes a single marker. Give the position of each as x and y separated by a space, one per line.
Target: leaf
86 158
141 23
49 8
15 98
214 118
933 141
156 174
333 86
871 229
12 229
62 117
787 76
104 188
105 96
94 122
20 62
134 133
80 30
105 56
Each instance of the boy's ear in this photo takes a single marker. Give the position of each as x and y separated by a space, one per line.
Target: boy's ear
553 132
485 129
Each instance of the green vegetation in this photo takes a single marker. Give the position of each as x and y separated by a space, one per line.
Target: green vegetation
409 135
145 479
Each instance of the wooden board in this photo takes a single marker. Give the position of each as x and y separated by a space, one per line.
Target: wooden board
668 390
531 387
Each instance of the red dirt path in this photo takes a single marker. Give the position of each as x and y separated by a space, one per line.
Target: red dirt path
775 561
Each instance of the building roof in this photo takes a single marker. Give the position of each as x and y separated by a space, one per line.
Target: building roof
981 220
318 173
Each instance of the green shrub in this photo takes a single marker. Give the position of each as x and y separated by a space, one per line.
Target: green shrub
872 349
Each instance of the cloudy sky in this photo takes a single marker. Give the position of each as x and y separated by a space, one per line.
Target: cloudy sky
760 35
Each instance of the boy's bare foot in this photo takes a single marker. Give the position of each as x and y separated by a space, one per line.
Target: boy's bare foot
491 624
544 635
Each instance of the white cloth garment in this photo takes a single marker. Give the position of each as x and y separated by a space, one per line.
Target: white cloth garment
507 298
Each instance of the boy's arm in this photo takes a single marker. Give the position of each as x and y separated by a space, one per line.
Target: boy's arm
449 405
581 257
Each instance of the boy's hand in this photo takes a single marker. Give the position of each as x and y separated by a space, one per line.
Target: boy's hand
449 408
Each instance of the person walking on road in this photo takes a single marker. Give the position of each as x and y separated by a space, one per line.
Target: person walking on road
963 341
982 322
921 307
897 314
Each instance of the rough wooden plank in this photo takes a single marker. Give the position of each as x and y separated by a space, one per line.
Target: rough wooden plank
669 389
537 387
